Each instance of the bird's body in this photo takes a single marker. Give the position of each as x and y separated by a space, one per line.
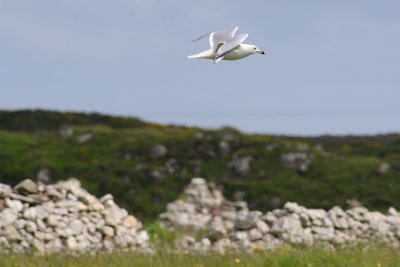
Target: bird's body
225 46
239 52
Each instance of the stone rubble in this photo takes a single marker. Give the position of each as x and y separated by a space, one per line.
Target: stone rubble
221 224
35 217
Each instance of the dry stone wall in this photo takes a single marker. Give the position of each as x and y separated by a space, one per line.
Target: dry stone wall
64 217
231 225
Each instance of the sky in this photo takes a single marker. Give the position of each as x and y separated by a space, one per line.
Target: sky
332 67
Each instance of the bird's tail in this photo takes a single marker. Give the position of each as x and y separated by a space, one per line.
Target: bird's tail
204 54
194 56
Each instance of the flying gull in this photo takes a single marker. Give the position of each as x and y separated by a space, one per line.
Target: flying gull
224 45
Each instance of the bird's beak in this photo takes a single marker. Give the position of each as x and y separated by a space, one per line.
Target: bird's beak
261 52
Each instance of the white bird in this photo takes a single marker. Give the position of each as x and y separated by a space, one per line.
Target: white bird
225 45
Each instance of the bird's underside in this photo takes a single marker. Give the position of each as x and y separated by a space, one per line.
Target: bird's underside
234 54
224 45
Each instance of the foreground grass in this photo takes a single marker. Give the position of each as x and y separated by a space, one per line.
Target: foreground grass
376 257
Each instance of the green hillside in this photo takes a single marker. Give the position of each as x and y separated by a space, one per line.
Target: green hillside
146 165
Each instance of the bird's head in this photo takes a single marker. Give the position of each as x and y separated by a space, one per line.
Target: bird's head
256 50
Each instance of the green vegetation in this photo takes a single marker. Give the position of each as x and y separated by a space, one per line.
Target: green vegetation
117 160
285 257
161 236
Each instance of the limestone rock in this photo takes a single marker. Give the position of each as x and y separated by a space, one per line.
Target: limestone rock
255 234
43 175
224 148
8 216
71 243
248 220
241 165
287 224
5 190
392 211
39 245
83 138
157 175
262 226
158 151
130 221
53 220
108 231
292 207
383 168
217 229
66 132
15 205
30 227
297 161
76 227
11 233
142 237
26 187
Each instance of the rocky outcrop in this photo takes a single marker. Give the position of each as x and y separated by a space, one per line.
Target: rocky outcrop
158 151
84 138
240 165
298 161
64 217
383 168
231 225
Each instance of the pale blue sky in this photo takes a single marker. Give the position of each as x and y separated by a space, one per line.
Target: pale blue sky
332 66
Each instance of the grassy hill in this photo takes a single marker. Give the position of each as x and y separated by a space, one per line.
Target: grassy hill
146 165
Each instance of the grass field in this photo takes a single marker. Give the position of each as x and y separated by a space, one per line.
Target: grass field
374 257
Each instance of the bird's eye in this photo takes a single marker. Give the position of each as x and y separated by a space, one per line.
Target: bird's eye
255 48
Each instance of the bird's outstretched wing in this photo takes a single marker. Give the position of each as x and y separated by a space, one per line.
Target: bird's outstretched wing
229 46
221 37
